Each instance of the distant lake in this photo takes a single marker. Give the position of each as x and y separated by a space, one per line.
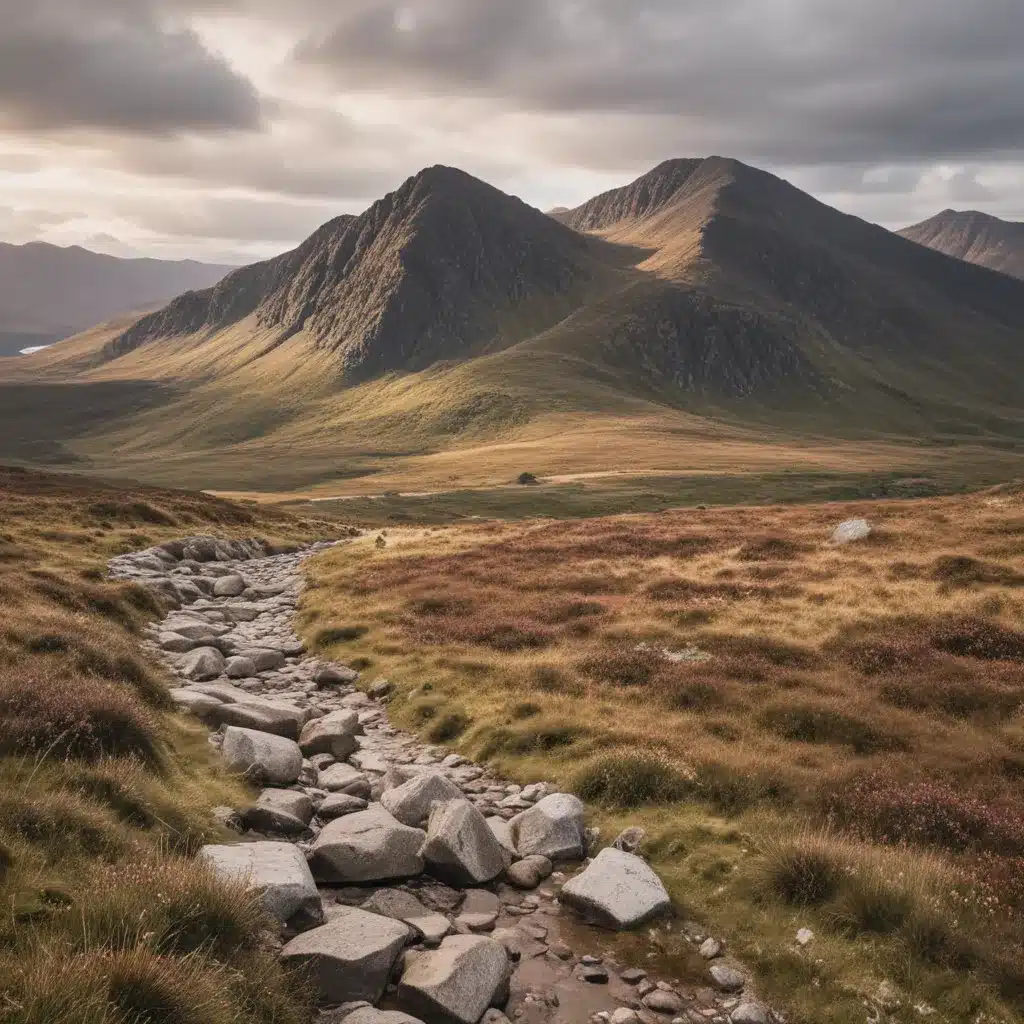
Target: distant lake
24 343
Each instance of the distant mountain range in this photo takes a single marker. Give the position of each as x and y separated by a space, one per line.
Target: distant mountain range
451 314
976 237
48 292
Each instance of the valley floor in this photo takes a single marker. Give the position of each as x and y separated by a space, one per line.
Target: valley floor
812 735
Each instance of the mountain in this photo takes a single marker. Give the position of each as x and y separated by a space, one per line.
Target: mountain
455 329
976 237
48 292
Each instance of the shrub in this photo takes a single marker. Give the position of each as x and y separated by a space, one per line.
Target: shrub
627 781
448 727
927 813
803 872
330 635
627 666
976 638
74 716
815 724
537 737
771 549
526 479
965 571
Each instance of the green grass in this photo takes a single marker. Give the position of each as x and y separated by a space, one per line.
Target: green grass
643 494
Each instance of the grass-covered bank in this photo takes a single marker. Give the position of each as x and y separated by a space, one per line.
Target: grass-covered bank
105 794
812 736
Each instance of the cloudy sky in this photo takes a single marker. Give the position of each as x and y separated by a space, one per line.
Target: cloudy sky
229 129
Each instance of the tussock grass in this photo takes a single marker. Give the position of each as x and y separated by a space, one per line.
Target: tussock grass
737 676
104 794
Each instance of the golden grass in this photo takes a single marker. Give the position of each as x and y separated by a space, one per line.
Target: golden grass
104 794
874 690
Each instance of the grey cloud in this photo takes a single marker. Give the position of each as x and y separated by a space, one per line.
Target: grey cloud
776 80
113 65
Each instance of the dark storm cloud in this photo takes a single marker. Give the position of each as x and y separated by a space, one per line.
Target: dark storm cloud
796 81
110 64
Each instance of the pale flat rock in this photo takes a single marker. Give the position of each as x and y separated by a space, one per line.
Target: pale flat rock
460 848
281 719
411 801
261 756
226 693
202 664
479 911
343 778
617 890
337 805
333 734
850 531
276 870
174 643
194 702
403 906
456 983
280 810
369 1015
352 957
553 828
199 630
369 846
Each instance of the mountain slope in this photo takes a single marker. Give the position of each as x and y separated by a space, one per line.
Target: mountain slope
975 237
440 269
705 296
48 292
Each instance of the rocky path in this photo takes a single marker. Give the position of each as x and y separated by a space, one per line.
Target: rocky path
416 885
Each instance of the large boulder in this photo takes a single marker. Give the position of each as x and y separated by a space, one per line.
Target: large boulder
553 828
616 890
280 810
333 734
456 983
262 715
262 757
194 702
410 802
202 664
278 871
369 846
352 957
460 848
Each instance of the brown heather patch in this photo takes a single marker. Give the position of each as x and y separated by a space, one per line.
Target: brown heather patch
899 661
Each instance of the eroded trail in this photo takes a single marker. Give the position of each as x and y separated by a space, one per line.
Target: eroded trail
409 878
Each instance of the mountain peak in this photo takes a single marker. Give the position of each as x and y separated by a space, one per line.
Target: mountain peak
973 236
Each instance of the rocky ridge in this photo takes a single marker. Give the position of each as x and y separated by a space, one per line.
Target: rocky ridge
413 884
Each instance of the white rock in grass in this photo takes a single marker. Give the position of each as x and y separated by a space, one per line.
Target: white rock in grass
278 871
617 890
851 530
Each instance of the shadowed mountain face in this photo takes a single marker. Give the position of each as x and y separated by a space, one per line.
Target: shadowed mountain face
452 314
48 292
975 237
438 270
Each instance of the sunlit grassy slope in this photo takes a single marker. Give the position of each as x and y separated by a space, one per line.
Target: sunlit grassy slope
813 736
712 315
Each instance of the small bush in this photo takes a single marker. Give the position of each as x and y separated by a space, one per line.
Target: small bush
628 781
330 635
965 571
804 872
815 724
526 479
771 549
976 638
450 726
628 666
537 737
75 717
